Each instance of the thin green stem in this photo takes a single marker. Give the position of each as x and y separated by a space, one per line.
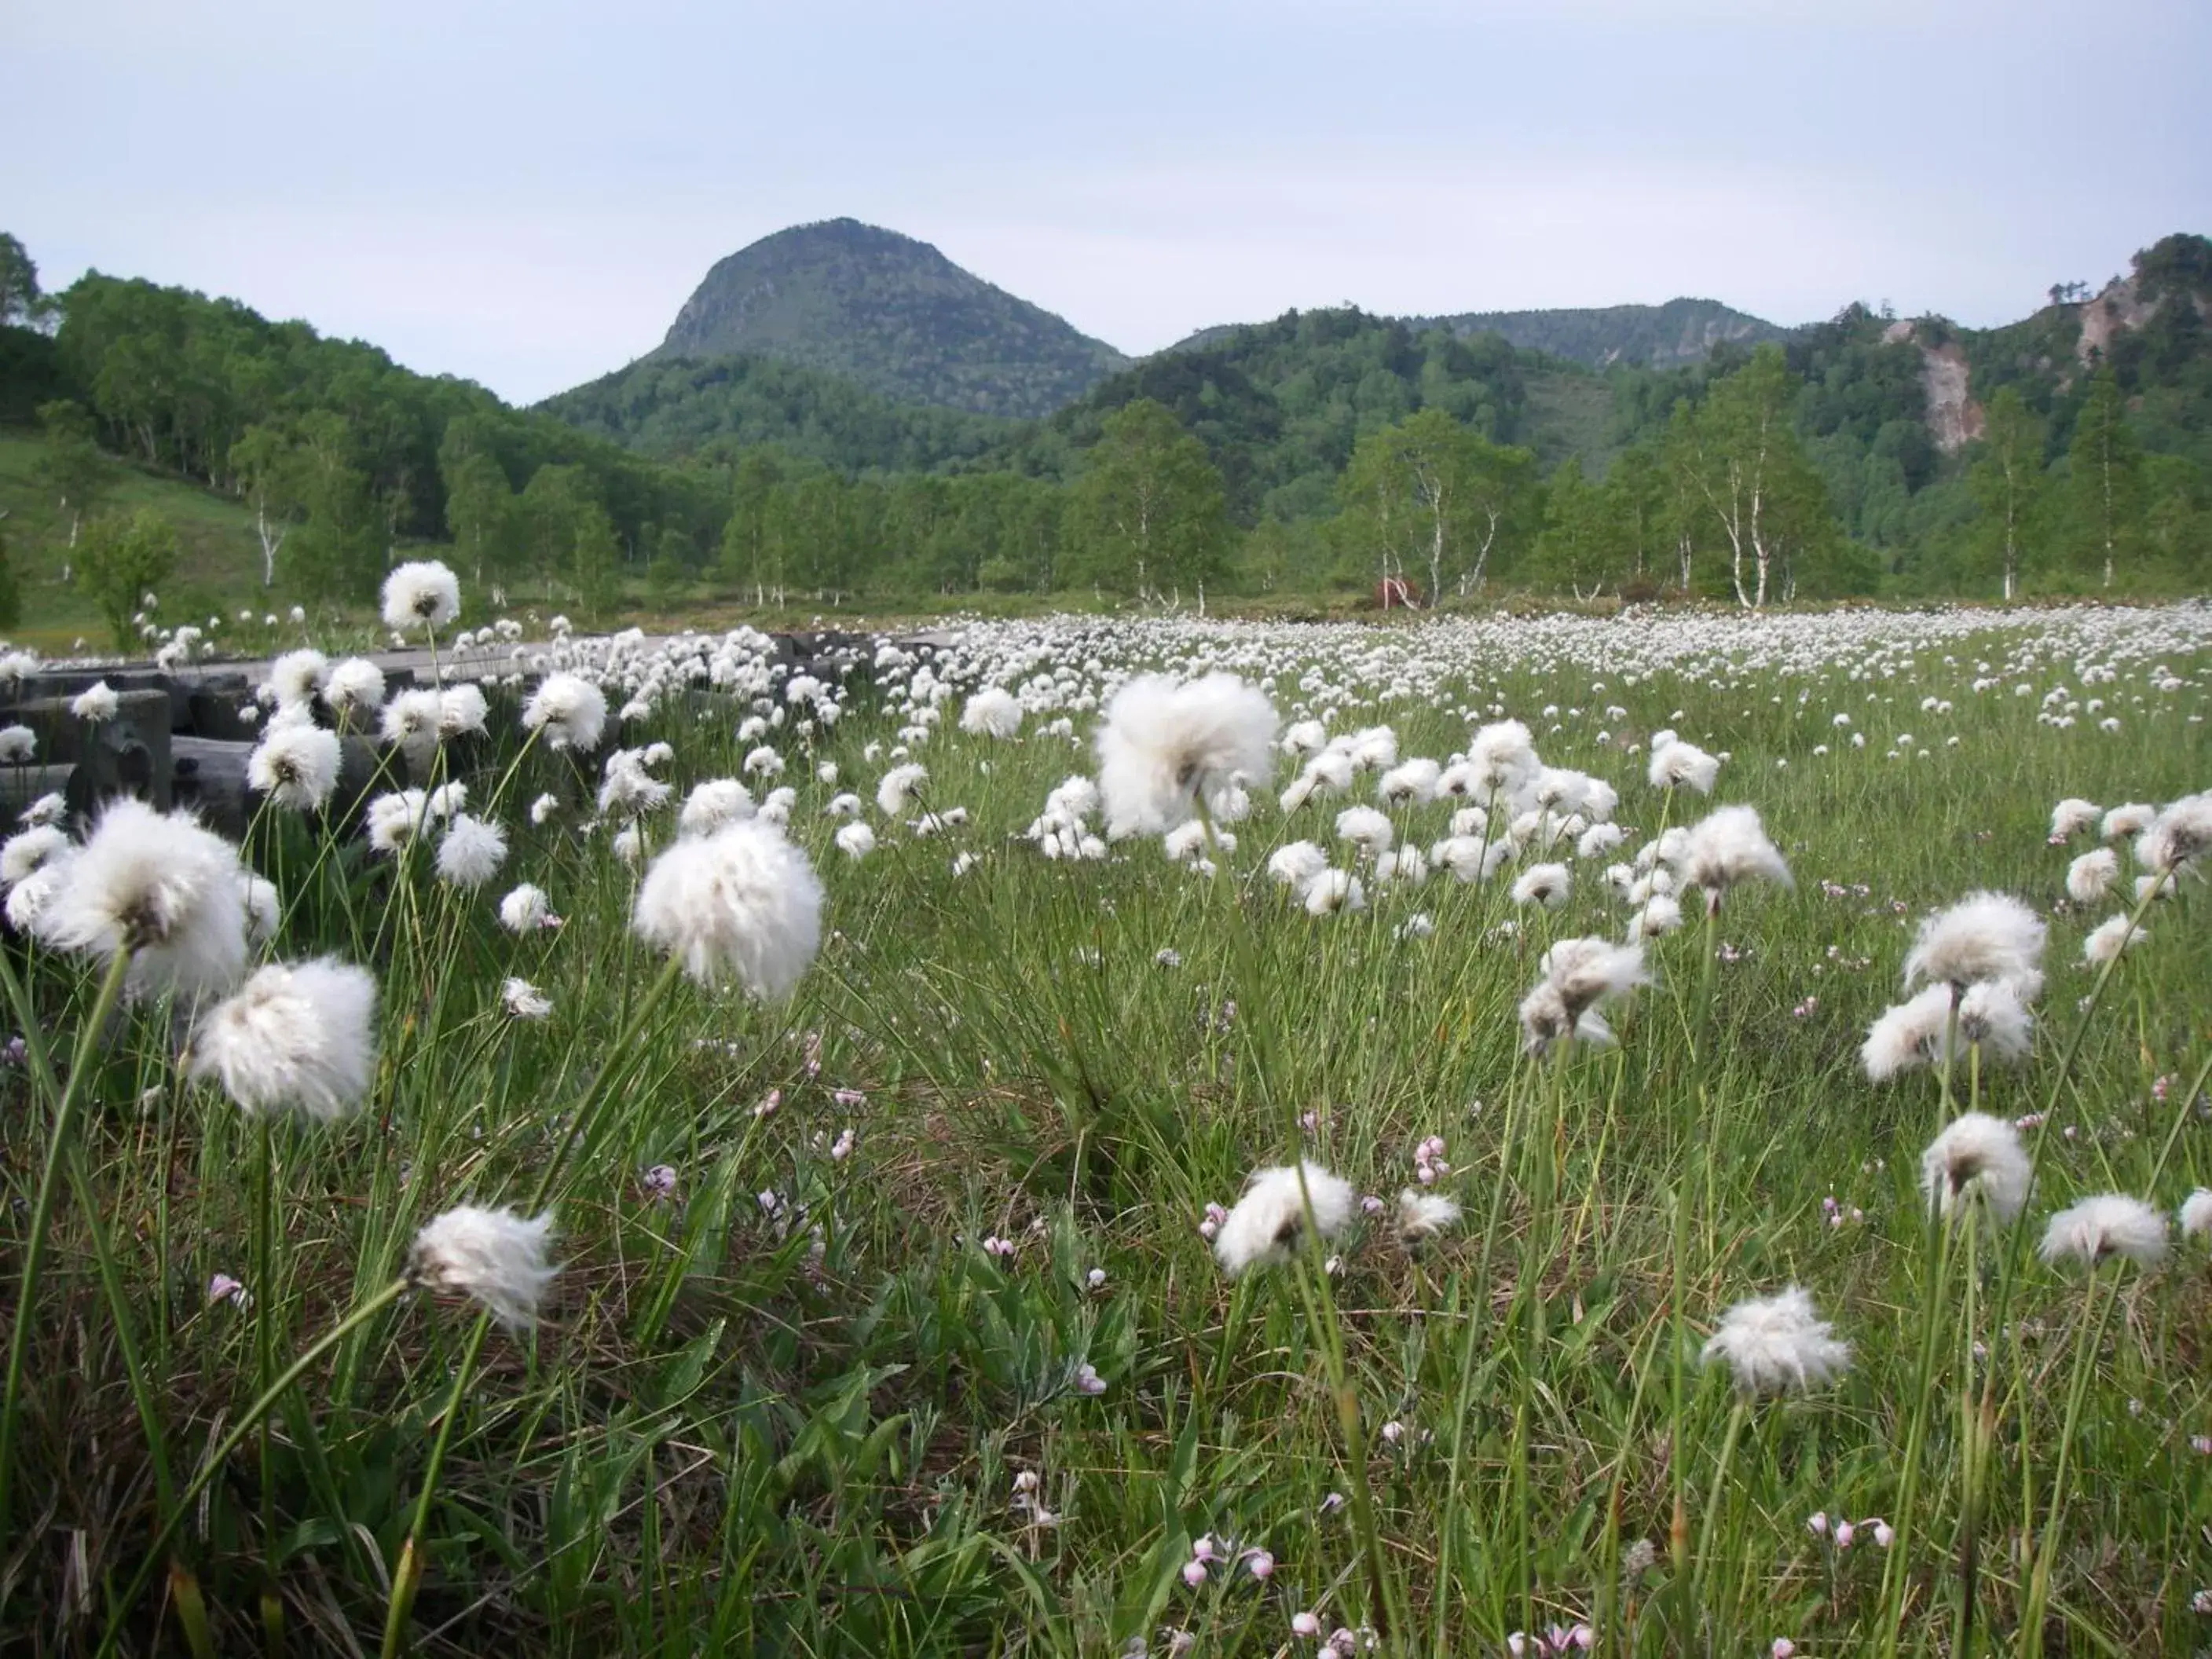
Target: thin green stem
42 1214
244 1426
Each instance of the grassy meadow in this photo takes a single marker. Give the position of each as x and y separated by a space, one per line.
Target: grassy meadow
886 1321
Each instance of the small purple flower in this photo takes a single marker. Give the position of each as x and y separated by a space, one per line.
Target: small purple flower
1334 1501
1783 1648
768 1102
660 1180
842 1148
1095 1279
1194 1573
1371 1205
224 1288
1818 1524
1259 1564
1305 1624
1088 1381
849 1097
14 1052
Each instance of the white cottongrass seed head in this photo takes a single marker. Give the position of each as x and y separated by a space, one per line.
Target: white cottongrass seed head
1774 1343
1976 1157
2195 1214
1265 1224
421 594
296 1036
1424 1215
1983 936
2090 876
2099 1228
158 885
296 766
494 1257
472 851
742 903
2108 938
525 1000
525 909
993 712
570 711
354 688
1727 848
1165 747
713 804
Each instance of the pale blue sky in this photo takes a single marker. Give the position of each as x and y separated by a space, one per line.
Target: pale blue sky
525 194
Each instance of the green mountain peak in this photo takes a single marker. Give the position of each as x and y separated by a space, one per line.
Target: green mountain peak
893 315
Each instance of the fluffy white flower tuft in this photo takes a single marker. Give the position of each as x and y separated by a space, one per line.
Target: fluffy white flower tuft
1265 1224
354 689
1366 829
1983 936
2108 938
1296 864
2178 836
1777 1342
2071 816
96 703
895 790
161 887
855 841
461 711
1727 848
31 850
1993 1017
1976 1156
1165 746
470 851
741 903
422 594
525 1000
1907 1035
524 910
1424 1215
2196 1214
992 713
569 710
1683 765
299 1036
295 766
1500 761
2108 1224
298 677
2125 822
494 1257
1547 885
1332 890
2090 876
713 804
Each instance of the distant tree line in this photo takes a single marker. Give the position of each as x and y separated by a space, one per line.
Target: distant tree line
1325 449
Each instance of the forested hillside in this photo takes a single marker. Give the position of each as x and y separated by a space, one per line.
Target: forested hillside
892 315
1332 449
677 408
